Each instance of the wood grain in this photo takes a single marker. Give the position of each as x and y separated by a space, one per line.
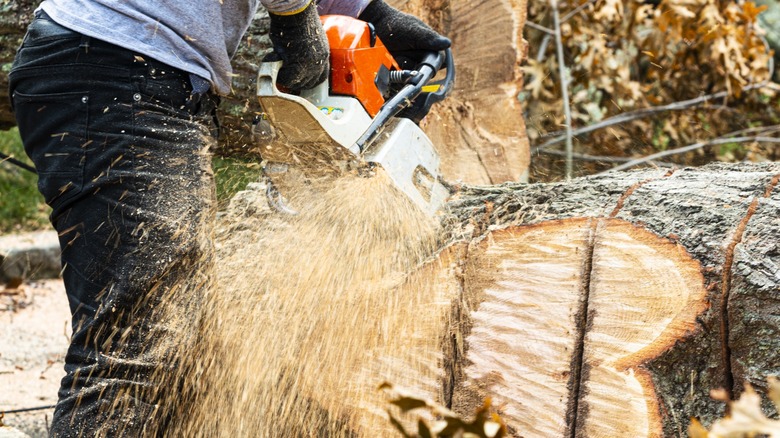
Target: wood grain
479 130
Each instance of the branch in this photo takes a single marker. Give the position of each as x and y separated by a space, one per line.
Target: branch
576 10
675 106
682 150
632 115
543 48
600 158
540 28
564 89
763 131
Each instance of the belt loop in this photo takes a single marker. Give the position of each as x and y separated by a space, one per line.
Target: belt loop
85 43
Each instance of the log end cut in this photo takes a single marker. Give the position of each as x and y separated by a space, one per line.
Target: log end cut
563 316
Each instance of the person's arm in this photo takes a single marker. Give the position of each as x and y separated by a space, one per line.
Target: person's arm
352 8
398 31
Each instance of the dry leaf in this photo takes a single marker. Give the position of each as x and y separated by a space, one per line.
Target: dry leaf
624 55
745 418
612 10
484 425
536 72
774 391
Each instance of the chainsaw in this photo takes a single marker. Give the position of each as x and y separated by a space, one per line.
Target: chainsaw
366 115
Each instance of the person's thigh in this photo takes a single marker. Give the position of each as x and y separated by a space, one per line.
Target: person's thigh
124 162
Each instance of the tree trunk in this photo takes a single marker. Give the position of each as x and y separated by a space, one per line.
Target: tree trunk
604 307
612 306
479 132
15 16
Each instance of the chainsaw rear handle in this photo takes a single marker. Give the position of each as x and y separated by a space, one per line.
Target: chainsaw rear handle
427 69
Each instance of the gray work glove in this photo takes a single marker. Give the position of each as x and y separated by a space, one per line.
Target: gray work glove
404 35
301 44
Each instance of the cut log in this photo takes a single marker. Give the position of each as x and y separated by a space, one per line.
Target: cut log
607 306
677 266
479 131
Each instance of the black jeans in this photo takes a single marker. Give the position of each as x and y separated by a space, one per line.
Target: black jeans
121 144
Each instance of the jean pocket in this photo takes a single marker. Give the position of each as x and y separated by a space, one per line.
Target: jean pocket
165 85
53 128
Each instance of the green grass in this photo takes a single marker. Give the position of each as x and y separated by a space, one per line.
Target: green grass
232 175
21 206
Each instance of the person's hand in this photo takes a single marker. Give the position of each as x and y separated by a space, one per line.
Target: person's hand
404 35
301 44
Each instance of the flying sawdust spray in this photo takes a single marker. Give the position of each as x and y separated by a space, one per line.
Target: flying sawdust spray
309 314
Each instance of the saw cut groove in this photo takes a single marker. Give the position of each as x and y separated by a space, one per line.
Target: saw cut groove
579 373
726 284
459 327
646 293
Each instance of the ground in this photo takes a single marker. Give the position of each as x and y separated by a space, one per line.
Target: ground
34 333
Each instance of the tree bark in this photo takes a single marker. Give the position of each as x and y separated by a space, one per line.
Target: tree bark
15 16
607 306
479 131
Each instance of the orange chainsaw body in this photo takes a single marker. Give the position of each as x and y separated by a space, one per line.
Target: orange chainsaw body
356 58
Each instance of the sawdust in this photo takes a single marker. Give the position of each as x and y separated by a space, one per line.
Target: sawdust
293 334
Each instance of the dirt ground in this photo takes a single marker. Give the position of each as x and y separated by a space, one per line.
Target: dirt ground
34 333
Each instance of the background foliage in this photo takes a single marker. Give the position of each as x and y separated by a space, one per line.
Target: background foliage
21 206
627 55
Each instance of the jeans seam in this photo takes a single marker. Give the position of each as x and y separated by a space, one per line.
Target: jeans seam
46 69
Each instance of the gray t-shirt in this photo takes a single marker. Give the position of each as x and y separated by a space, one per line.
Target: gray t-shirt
197 36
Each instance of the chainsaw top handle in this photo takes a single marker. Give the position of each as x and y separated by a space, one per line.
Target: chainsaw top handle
436 91
407 98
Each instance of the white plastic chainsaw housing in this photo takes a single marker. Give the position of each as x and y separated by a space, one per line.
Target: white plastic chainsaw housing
343 119
411 161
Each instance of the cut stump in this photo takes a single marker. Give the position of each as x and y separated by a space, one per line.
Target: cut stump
479 130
